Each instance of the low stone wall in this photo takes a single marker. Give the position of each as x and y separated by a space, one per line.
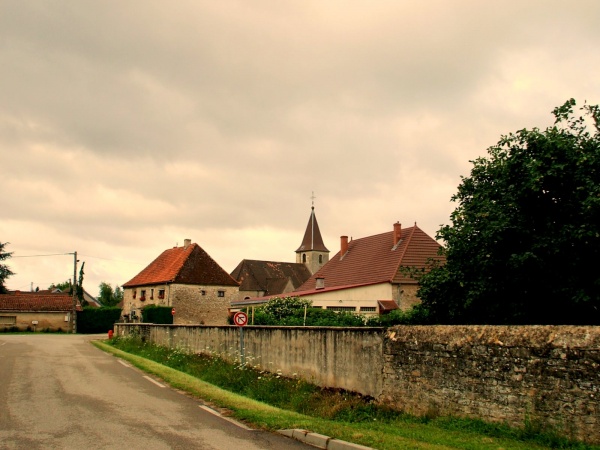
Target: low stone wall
512 374
347 358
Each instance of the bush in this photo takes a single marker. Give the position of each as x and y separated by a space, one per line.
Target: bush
315 317
97 320
157 314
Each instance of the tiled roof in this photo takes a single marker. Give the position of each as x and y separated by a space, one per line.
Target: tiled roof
269 276
183 265
375 259
35 301
312 236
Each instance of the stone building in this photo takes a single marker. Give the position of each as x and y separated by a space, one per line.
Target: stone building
186 279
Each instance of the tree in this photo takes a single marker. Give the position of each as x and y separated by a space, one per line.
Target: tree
525 237
79 288
65 286
108 296
5 271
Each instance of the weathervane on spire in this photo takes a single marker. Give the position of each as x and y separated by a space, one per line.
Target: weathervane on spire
312 197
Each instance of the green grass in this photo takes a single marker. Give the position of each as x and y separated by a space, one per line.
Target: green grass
271 401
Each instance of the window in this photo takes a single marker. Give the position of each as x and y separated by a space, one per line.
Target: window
161 293
342 308
303 257
134 293
221 293
143 295
151 294
368 309
8 320
203 292
320 259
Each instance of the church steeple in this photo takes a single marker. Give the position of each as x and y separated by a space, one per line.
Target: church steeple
312 252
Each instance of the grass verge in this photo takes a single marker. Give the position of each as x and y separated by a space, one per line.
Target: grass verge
272 402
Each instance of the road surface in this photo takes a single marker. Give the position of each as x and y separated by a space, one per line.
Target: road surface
57 391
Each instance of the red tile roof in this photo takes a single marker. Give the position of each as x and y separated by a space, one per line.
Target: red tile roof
375 259
183 265
34 301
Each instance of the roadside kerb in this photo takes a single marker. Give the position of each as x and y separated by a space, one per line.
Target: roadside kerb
321 441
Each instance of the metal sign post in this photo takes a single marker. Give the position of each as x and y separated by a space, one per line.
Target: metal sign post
241 320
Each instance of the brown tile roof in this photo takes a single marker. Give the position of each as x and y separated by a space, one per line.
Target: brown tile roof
183 265
374 259
34 301
269 276
312 236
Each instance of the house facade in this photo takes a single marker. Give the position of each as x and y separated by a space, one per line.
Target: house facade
36 311
186 279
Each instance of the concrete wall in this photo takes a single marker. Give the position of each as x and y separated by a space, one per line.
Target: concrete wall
349 358
51 320
549 374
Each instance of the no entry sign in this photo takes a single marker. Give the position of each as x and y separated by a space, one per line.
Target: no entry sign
173 311
240 319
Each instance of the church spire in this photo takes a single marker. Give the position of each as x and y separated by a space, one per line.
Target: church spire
312 250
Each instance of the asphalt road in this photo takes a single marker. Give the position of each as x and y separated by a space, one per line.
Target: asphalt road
60 392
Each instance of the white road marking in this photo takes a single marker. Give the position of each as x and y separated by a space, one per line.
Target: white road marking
154 381
218 414
123 363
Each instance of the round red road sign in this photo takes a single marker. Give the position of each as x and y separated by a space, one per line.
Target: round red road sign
240 319
173 311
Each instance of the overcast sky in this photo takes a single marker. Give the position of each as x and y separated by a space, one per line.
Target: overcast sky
129 126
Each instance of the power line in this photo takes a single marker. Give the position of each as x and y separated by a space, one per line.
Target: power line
36 256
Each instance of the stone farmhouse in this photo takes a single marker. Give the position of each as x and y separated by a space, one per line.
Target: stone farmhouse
36 311
366 275
264 278
186 279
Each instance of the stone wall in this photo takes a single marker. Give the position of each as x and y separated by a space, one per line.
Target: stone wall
205 305
544 374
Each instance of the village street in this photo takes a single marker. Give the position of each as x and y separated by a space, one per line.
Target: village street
59 391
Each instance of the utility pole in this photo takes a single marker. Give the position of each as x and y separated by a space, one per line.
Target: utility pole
74 312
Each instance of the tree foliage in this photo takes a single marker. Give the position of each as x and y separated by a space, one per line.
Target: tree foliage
109 296
524 240
5 271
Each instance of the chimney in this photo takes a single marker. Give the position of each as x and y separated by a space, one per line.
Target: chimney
343 245
320 283
397 233
187 243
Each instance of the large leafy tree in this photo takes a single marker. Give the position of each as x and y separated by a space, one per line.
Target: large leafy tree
524 241
5 271
109 296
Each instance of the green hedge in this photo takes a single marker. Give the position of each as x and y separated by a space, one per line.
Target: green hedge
97 320
157 314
